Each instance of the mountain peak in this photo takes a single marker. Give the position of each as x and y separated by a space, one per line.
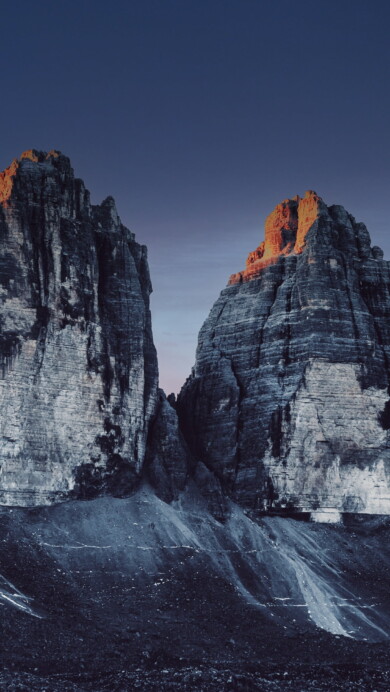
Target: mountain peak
38 156
35 156
286 231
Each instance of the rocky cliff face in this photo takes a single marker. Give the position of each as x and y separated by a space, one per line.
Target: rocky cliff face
288 406
78 385
288 402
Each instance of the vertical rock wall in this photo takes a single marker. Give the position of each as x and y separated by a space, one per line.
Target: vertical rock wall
79 375
288 402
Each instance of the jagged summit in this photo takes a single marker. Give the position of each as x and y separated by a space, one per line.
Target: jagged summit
286 230
41 156
38 171
32 164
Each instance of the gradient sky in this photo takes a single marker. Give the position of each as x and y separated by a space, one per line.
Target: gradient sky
199 116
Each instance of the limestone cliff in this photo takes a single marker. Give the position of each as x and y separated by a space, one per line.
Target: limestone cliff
288 402
79 376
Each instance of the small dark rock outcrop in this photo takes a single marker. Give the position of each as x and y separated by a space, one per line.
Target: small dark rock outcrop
168 459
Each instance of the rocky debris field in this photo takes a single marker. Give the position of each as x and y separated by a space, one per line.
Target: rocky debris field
314 678
137 594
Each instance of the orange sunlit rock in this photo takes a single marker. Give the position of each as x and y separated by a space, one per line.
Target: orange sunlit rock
53 153
40 156
255 255
285 233
7 181
31 154
308 210
7 176
281 228
251 272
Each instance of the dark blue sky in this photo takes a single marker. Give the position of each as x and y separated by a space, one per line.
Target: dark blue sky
198 116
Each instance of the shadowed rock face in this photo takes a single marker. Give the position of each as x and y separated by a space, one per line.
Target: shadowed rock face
79 374
288 402
167 458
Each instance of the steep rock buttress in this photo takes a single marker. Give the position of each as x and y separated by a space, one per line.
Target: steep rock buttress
288 403
79 375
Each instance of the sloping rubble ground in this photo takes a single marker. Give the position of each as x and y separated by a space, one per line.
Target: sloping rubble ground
116 594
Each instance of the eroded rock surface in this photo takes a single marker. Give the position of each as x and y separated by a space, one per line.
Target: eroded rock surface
78 385
168 458
288 403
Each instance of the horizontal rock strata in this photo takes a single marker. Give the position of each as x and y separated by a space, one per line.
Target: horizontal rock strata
78 384
288 403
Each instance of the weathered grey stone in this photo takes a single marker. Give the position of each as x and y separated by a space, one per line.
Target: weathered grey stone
168 458
288 402
79 374
216 501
